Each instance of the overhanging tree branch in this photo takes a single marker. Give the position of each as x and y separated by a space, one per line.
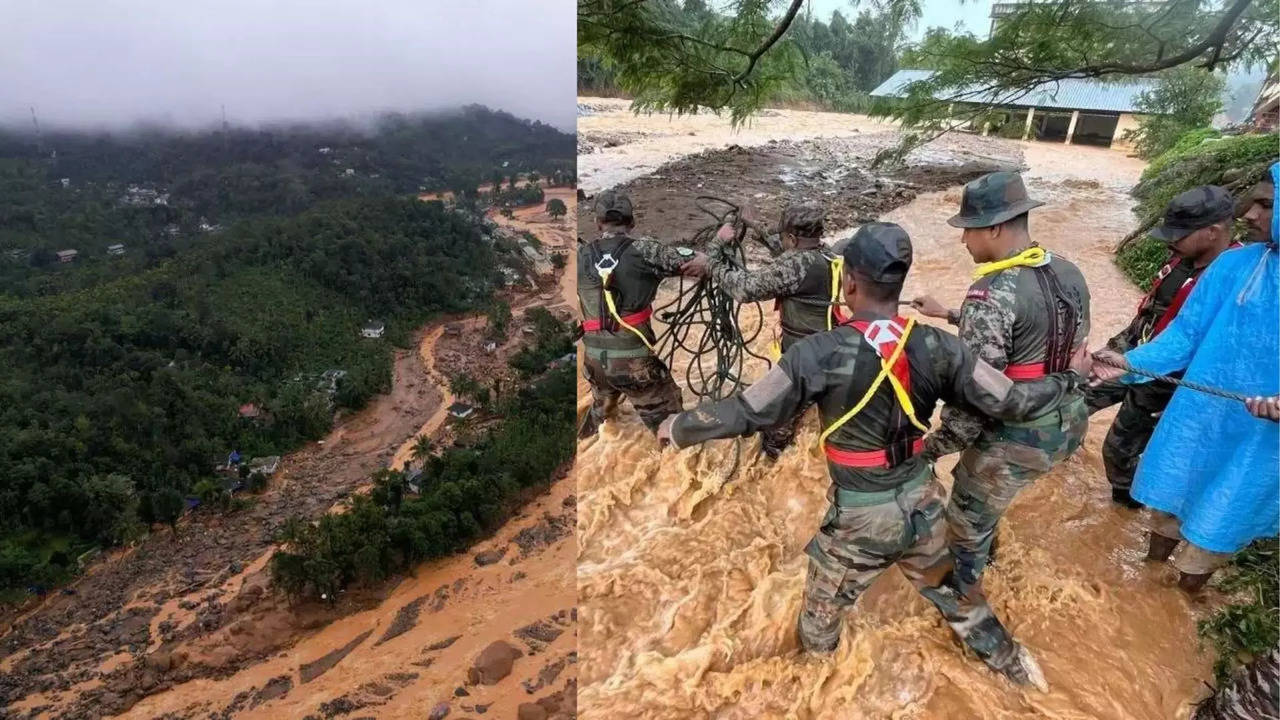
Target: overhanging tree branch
778 32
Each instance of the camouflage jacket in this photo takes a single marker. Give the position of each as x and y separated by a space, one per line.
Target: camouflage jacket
799 278
835 368
1004 320
783 277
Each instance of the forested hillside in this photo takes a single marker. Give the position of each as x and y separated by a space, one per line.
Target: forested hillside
160 192
126 375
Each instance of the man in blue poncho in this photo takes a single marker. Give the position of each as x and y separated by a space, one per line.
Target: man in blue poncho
1210 470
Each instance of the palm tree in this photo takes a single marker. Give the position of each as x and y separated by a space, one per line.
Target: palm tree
422 449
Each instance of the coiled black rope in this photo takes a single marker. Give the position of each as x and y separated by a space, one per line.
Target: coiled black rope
705 322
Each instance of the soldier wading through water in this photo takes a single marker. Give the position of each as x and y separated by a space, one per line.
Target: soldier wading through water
1025 315
876 379
1197 228
618 278
803 279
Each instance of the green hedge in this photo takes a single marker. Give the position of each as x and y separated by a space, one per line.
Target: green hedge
1185 145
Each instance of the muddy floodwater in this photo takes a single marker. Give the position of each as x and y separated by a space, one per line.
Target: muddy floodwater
689 582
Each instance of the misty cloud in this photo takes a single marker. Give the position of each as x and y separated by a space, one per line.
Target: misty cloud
115 63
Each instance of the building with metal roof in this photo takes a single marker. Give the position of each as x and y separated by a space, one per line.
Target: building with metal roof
1266 108
1074 110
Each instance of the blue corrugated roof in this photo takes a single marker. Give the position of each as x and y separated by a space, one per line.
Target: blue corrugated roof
1070 94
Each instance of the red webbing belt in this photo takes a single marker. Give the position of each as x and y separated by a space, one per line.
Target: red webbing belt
1029 371
634 319
867 458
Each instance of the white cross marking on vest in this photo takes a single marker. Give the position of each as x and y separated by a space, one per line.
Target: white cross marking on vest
882 332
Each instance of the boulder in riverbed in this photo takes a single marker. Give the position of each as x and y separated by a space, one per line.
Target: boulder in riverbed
493 663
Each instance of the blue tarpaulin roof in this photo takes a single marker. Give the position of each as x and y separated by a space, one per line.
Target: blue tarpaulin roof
1073 94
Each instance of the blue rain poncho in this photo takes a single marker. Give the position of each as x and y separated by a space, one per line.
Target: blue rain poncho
1209 462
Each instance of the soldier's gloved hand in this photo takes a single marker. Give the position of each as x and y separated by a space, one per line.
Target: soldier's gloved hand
664 432
929 307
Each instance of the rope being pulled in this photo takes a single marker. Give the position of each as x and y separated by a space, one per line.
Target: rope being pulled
1188 384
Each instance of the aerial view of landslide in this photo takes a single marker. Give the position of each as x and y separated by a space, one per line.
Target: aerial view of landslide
191 627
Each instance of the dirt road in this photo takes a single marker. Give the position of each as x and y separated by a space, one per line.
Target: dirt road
165 591
689 584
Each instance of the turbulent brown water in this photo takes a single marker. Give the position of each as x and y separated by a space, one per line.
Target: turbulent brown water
689 583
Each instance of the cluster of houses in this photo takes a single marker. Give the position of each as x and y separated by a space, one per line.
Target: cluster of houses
65 256
137 196
232 471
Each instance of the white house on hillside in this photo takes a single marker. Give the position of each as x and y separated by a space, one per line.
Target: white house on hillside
373 329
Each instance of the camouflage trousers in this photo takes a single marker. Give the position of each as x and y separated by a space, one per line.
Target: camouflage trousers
993 471
1140 408
857 542
1253 693
644 380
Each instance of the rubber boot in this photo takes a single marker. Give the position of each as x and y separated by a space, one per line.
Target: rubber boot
1121 496
588 427
1193 583
1160 548
1021 667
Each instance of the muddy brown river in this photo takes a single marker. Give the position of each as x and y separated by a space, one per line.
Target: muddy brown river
689 582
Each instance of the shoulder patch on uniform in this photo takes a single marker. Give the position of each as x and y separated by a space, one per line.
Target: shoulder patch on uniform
977 294
775 384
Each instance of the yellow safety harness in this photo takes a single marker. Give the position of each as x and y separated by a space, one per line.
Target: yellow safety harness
886 372
1033 256
605 268
837 274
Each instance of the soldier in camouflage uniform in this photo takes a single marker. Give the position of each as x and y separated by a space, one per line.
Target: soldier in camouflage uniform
1197 228
1025 316
876 380
626 269
799 279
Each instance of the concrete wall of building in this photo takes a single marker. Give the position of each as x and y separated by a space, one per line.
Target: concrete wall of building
1128 121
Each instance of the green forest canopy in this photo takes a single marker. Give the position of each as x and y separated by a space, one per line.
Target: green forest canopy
124 379
153 190
673 56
